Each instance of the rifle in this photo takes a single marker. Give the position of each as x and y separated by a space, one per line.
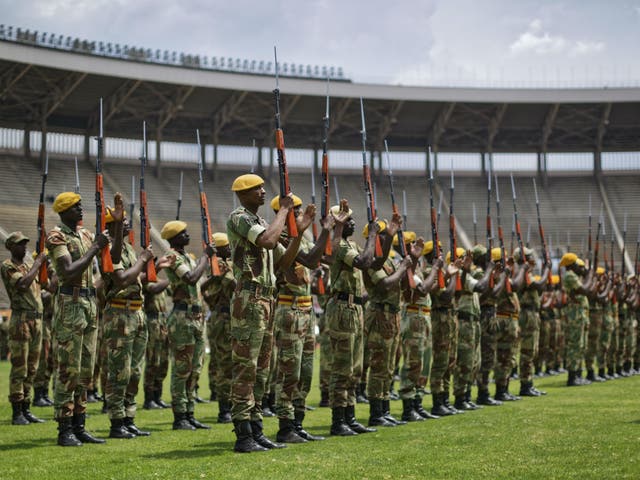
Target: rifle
597 249
394 206
545 250
434 220
589 238
489 226
624 245
612 242
324 204
314 228
516 223
452 231
475 224
105 254
404 208
43 276
500 235
204 213
637 253
132 206
528 242
604 243
366 175
77 187
180 197
145 226
285 189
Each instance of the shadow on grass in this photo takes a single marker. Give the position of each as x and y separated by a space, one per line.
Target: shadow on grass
632 421
27 444
203 450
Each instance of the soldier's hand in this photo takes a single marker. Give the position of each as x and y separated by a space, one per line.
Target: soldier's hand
467 261
209 250
438 262
40 259
102 239
165 262
303 221
417 247
395 224
146 254
328 222
407 262
117 212
286 203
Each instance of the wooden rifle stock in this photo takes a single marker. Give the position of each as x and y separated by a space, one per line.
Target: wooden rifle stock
43 275
285 188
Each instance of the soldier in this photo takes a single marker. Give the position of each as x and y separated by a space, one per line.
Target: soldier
294 332
256 253
629 325
20 277
217 292
597 301
577 311
73 249
605 286
323 338
125 330
46 364
185 323
529 322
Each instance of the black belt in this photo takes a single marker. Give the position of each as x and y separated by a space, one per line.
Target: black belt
466 316
347 297
258 289
77 291
385 307
185 307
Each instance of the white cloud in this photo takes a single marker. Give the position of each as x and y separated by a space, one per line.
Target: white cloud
586 48
541 44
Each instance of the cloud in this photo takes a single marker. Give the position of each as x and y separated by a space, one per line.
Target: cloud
586 48
534 40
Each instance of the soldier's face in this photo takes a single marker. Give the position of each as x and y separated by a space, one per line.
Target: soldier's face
20 249
349 227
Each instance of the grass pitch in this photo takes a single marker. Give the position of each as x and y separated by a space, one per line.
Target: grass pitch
572 433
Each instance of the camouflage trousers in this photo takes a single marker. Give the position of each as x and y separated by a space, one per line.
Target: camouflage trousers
186 343
604 341
382 331
101 369
251 344
345 330
561 347
125 333
548 344
75 331
594 334
325 360
25 339
468 356
157 353
414 328
506 345
271 374
295 339
629 337
577 324
612 355
219 333
529 322
426 357
444 325
46 365
488 346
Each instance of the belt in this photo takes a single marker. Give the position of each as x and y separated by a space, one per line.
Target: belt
303 301
126 304
77 291
414 308
347 297
258 289
185 307
506 315
466 316
385 307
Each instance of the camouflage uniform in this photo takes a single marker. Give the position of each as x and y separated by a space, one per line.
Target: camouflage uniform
444 325
594 334
613 350
605 335
46 363
252 307
488 339
547 341
529 322
186 334
157 354
25 329
507 314
325 348
468 355
125 334
577 312
630 337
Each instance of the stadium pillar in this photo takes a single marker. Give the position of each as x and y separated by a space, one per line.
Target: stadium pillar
214 167
26 142
260 165
270 162
87 147
158 159
483 163
316 155
597 162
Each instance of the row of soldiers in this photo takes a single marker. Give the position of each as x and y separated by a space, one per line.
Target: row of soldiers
459 318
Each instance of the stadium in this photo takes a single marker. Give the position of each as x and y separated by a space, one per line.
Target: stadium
580 145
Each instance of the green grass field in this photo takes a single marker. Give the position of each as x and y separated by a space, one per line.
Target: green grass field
579 432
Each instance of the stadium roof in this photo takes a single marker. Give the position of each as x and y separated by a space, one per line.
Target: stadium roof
59 89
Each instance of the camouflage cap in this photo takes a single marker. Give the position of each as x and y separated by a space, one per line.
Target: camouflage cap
15 238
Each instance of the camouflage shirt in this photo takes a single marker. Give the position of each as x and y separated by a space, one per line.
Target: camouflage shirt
221 287
127 260
296 280
570 283
469 301
251 263
346 278
154 303
530 297
414 296
29 299
377 294
63 241
182 291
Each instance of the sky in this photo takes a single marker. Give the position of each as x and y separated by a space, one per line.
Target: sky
412 42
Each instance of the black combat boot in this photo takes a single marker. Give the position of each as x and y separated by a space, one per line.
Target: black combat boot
376 415
324 398
104 408
503 395
287 432
467 398
130 425
18 417
260 438
461 404
80 432
118 430
214 393
591 375
419 409
386 412
196 396
158 399
361 393
527 390
180 422
438 408
45 396
244 438
91 397
26 413
446 404
149 401
38 398
484 398
602 373
350 418
66 438
266 407
297 422
571 379
408 412
513 397
338 423
192 420
224 411
613 374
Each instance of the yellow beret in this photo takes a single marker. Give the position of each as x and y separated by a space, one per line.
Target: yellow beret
275 203
580 262
537 278
408 237
220 239
599 270
65 201
108 218
246 182
516 253
496 254
555 279
365 230
568 259
459 253
428 247
172 228
335 210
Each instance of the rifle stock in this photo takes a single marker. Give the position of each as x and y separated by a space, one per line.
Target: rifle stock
145 227
434 222
204 213
43 275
